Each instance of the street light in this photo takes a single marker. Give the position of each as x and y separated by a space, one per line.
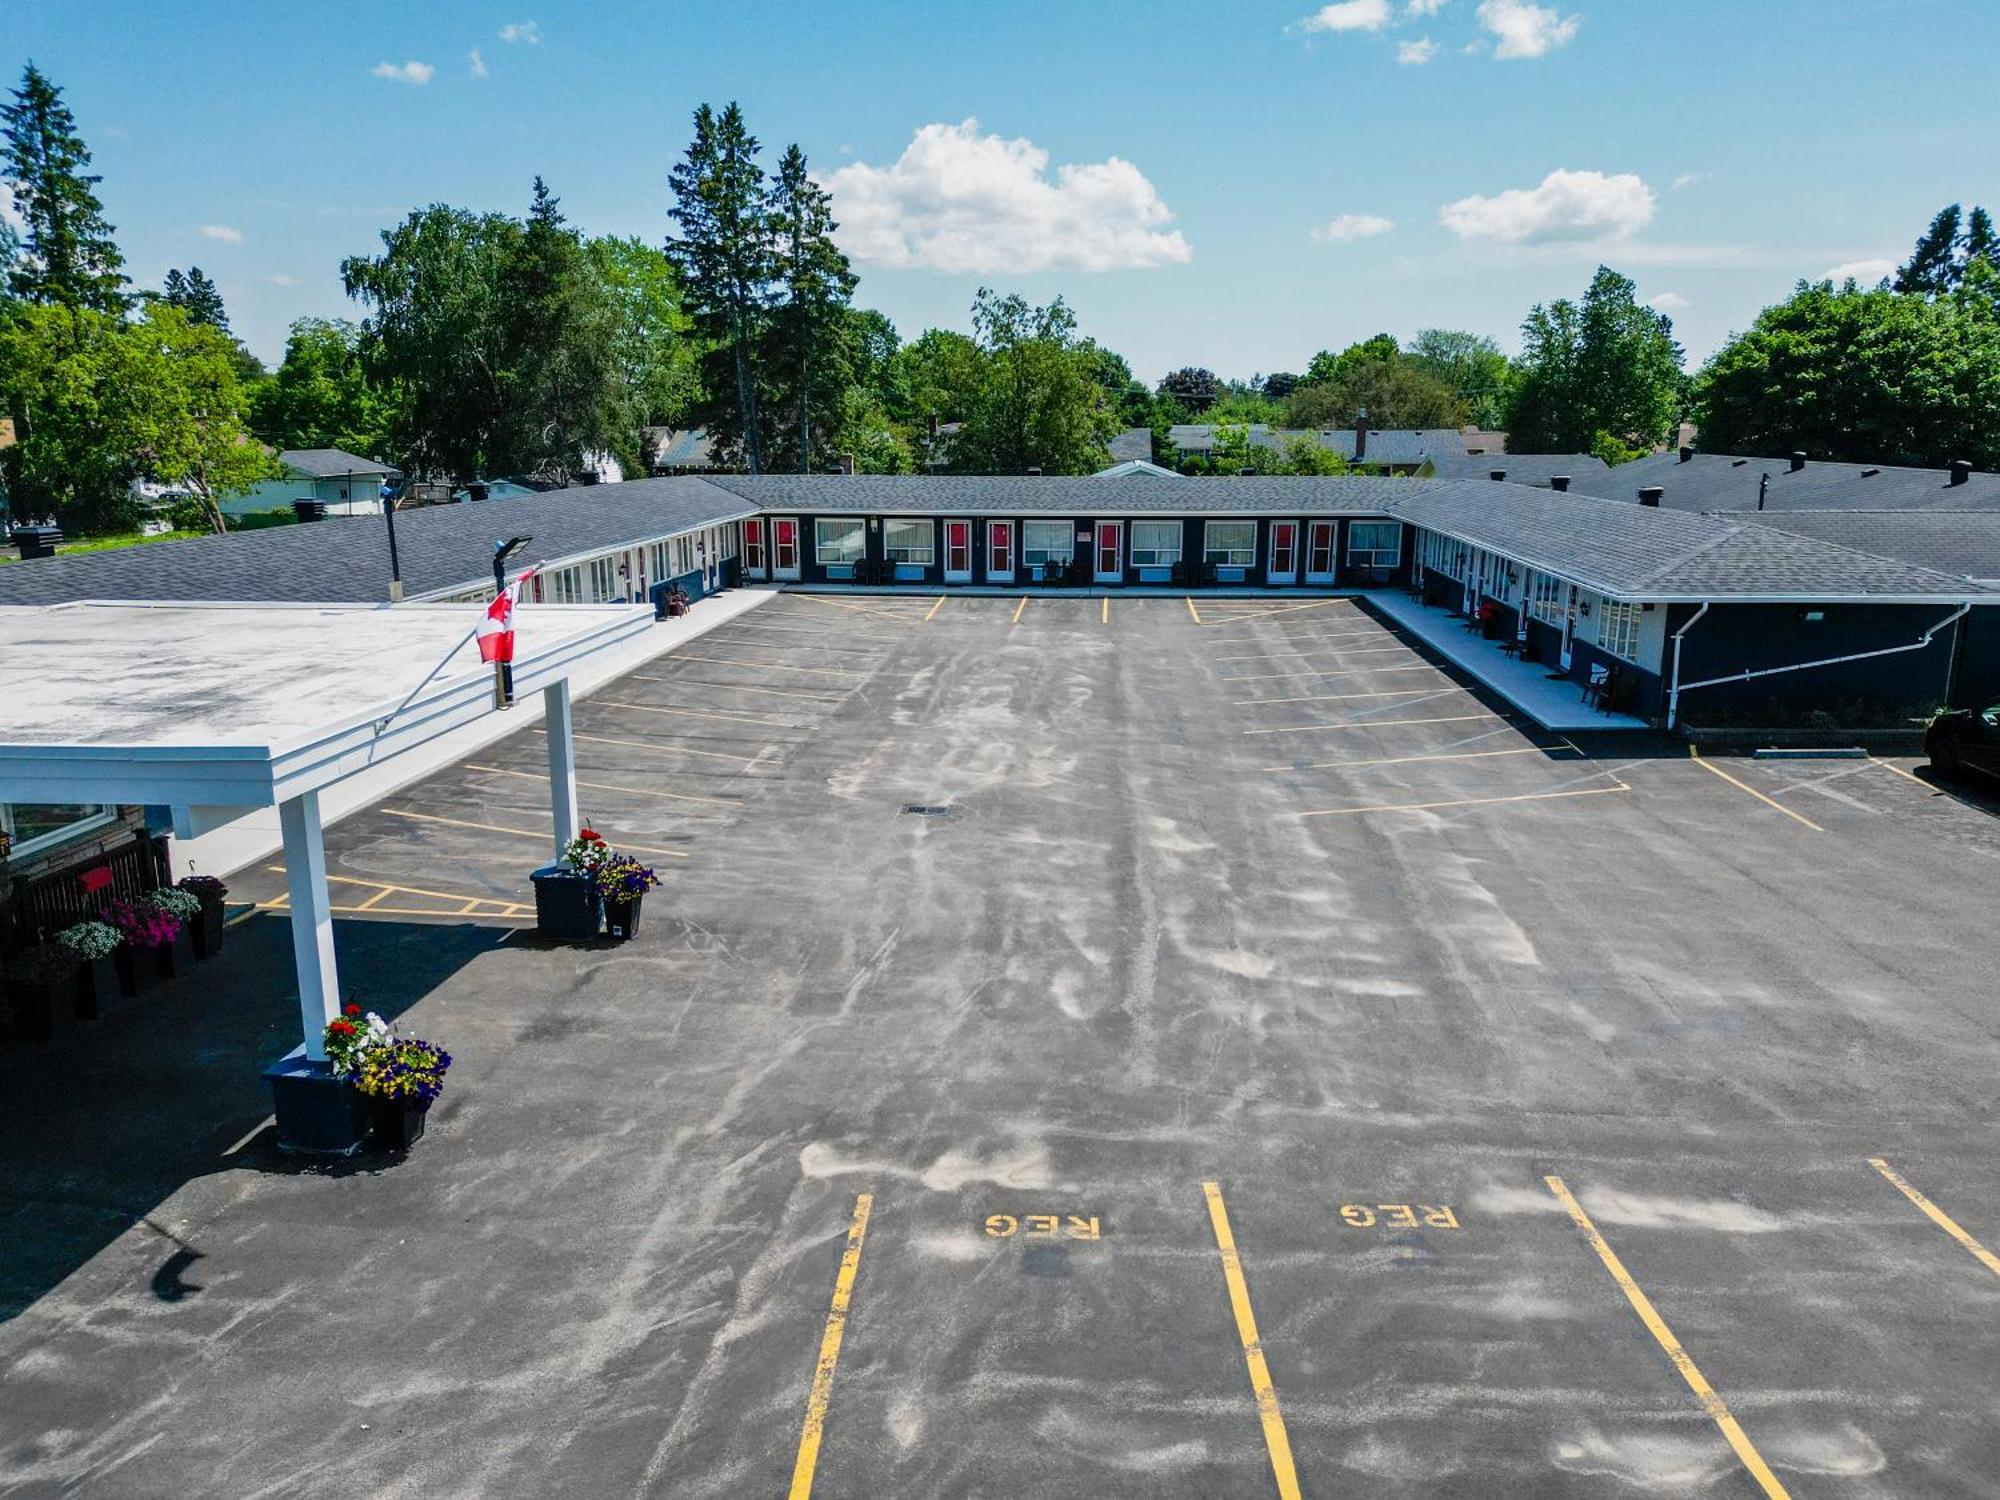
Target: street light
395 563
503 671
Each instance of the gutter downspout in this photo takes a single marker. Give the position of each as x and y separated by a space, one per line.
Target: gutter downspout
1674 693
1832 661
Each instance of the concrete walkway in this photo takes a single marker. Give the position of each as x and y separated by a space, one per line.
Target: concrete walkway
256 835
1553 703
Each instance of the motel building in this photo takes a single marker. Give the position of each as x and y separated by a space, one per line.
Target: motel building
1583 613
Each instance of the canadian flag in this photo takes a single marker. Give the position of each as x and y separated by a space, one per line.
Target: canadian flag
496 631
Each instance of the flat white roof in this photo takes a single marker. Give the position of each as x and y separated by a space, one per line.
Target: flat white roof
246 704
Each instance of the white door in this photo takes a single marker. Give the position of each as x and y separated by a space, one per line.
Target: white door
1320 538
958 552
785 547
999 551
753 549
1569 629
1110 552
1283 565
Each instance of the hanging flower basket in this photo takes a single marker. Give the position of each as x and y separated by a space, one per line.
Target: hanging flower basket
207 924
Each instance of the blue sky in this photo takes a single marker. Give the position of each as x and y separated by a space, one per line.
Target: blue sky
1233 186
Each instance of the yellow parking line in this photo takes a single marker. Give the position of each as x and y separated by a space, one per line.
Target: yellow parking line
934 609
769 666
1241 616
1309 672
526 833
1105 617
605 786
1019 610
860 609
699 713
1694 751
1404 760
1340 697
1191 609
606 739
1906 775
1656 1325
829 1353
375 900
384 888
1938 1216
1595 791
511 914
744 687
1276 1442
1371 724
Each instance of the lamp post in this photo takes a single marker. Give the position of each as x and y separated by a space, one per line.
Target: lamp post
395 563
503 671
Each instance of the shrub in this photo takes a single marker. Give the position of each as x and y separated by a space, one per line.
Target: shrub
89 941
182 906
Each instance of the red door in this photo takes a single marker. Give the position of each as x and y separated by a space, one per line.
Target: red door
1319 552
785 547
958 550
1000 549
1110 551
753 548
1284 552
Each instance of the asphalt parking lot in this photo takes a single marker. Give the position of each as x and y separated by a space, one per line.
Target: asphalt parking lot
1261 1064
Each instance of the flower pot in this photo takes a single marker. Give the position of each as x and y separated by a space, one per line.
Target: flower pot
621 918
97 989
138 970
396 1124
317 1113
42 1012
176 959
208 930
567 906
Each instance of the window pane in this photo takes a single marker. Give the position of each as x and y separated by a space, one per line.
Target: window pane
1043 540
1231 544
908 541
840 541
1156 544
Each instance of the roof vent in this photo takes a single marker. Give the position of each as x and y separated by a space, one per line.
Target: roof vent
1798 461
1687 453
1497 475
1737 463
1870 473
1961 470
1652 494
1034 473
1246 471
1560 484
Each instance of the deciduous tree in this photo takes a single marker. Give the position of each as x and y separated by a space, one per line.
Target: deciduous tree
1607 364
1036 404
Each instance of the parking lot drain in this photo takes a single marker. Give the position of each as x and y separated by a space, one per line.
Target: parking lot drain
927 809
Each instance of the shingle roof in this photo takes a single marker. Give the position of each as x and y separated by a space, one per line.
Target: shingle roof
330 463
1723 481
1526 468
1635 552
1385 445
1084 496
1964 543
347 560
1133 442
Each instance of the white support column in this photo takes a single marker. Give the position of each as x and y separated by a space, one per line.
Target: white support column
562 761
312 918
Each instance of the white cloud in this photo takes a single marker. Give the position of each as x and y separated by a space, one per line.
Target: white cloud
1346 227
1525 30
1349 15
279 278
409 72
1424 7
1565 206
478 64
522 31
1866 272
10 215
960 201
1685 181
1416 54
223 232
1669 302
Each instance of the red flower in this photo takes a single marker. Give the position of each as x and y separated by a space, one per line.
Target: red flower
352 1010
591 836
340 1028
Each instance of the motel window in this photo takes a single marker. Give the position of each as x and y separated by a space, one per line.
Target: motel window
840 542
656 563
1155 544
1545 599
604 577
566 586
1618 629
30 826
1374 544
1230 544
911 542
1045 542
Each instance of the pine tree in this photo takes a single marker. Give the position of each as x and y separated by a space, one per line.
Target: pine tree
67 254
1980 242
1931 271
197 296
812 332
726 260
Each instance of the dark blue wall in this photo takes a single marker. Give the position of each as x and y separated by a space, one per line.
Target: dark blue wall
1978 684
1747 637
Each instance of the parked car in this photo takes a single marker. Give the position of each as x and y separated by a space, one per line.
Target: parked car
1963 740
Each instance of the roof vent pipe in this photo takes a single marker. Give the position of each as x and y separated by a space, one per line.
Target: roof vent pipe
1497 475
1687 453
1560 484
1961 471
1361 437
1246 471
1652 494
1798 461
1034 473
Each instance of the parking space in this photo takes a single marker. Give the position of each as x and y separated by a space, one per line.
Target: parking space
1130 1047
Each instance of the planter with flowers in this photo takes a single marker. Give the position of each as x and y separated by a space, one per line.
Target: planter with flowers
568 906
207 925
94 946
622 882
175 958
42 991
143 929
374 1088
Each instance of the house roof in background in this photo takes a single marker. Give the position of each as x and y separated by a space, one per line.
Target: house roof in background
346 560
1411 446
1535 469
1128 467
1730 482
1082 496
1964 543
686 448
1133 442
330 463
1636 552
